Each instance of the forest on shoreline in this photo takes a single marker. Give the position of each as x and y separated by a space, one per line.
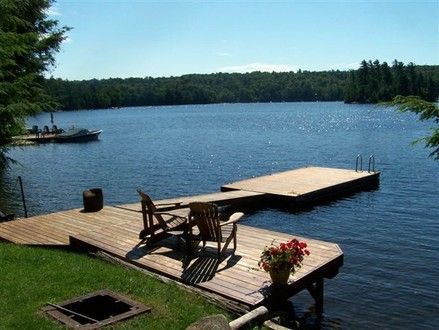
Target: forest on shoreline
371 83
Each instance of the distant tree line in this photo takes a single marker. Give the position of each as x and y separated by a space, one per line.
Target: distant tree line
199 89
371 83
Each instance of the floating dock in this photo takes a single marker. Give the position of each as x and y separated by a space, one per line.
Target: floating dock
307 185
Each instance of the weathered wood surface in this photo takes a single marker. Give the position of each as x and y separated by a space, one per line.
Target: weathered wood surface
115 231
55 228
306 183
237 277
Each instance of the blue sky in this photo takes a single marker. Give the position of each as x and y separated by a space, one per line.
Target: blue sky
170 38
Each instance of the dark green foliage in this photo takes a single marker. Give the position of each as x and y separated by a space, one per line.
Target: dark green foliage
28 41
199 89
374 82
426 111
371 83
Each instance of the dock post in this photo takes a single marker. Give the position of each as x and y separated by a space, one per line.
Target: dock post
319 297
316 292
22 196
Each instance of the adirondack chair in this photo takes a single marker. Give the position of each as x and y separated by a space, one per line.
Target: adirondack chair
159 225
46 130
206 217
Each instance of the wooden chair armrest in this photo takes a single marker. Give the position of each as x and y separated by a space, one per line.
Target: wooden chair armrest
163 204
234 218
170 214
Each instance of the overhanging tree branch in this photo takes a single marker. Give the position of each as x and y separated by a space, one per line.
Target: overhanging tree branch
426 111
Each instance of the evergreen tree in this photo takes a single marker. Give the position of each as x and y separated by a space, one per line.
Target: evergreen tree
28 42
386 83
374 82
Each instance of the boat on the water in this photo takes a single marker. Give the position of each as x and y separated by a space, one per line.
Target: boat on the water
75 134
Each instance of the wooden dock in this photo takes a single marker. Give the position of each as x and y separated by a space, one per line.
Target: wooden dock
307 185
115 230
34 139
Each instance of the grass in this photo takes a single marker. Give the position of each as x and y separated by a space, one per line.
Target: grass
31 277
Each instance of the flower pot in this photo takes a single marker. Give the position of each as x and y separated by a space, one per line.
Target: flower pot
280 276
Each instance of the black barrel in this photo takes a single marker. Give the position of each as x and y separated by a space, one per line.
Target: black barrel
93 200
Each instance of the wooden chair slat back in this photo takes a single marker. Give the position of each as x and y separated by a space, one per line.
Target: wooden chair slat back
206 218
148 209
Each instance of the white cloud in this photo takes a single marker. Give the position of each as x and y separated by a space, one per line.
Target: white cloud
345 66
263 67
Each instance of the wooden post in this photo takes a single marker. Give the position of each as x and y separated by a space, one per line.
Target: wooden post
316 292
22 196
319 297
249 317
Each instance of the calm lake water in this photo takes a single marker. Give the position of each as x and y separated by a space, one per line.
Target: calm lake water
390 277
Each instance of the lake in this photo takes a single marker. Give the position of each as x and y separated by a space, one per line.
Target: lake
389 235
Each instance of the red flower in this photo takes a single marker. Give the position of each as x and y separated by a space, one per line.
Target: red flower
288 254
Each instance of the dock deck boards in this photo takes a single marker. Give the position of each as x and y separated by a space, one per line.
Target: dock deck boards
115 231
306 183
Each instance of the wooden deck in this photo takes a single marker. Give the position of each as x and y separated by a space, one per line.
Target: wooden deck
306 185
115 230
237 279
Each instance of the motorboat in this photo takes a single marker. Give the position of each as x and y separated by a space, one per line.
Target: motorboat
75 134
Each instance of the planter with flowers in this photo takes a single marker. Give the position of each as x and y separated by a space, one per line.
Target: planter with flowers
283 259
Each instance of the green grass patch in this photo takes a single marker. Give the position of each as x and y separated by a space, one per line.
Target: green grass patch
31 277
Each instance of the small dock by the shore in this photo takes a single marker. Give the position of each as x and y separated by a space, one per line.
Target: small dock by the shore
31 139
